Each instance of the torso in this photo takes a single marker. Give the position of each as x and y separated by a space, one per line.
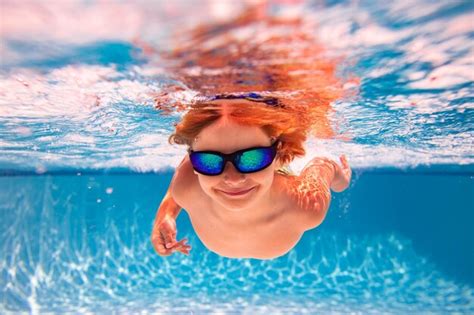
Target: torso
273 237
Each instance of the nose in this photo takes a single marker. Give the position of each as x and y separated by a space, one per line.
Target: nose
232 175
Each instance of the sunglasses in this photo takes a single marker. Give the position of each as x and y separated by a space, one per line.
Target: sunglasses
251 160
253 97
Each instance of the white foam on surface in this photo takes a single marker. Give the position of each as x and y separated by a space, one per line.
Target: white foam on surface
101 116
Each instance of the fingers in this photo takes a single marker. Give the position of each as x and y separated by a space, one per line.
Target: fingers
184 251
169 238
343 159
346 167
344 162
163 250
182 247
164 239
160 242
160 248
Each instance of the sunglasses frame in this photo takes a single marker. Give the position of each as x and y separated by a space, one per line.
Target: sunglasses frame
230 157
253 97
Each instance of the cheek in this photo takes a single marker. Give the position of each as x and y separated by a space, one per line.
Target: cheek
207 182
265 177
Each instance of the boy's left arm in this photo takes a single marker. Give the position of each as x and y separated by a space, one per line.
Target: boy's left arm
310 192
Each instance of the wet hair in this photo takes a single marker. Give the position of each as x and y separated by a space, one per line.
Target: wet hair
276 121
288 81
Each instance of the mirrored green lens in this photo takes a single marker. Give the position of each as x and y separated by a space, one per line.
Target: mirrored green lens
255 159
207 162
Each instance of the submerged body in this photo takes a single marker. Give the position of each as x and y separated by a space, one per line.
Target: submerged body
272 233
267 92
261 214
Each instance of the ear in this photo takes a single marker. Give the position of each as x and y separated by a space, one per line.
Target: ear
279 147
278 163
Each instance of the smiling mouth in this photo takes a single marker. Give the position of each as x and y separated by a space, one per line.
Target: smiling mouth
237 193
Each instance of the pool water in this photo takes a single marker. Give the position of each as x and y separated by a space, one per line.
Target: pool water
396 242
85 162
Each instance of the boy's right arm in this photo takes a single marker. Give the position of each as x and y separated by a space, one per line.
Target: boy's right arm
168 206
164 228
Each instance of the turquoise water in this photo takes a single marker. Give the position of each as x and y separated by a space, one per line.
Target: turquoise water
84 163
396 243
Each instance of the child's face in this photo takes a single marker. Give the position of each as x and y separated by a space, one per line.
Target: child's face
226 136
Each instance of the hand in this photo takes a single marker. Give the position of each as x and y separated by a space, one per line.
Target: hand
342 175
164 238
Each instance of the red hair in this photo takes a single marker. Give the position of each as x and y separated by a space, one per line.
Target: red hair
290 66
276 122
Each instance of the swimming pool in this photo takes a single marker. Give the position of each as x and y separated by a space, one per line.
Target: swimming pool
81 243
85 162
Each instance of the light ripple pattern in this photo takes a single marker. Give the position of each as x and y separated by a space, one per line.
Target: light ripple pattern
85 100
70 244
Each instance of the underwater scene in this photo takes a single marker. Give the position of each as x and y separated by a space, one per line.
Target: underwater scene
90 92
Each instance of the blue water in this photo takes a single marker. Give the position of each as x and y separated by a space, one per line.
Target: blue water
84 163
397 242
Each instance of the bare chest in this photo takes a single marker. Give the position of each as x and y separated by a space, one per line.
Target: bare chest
269 239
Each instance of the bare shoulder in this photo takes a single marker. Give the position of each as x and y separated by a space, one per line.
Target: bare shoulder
184 185
298 216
